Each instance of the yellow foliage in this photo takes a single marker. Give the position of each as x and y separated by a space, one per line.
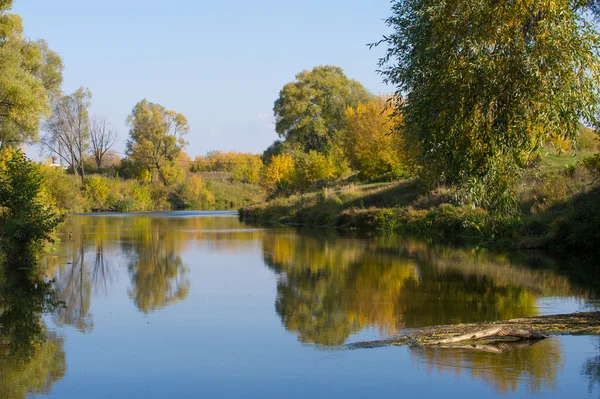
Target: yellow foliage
371 140
314 166
244 167
145 176
195 194
280 172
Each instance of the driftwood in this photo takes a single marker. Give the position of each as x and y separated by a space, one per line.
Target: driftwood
494 332
491 336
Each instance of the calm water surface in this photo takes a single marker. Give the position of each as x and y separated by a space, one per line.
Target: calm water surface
190 305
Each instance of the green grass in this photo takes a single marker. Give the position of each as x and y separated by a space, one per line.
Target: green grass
234 195
554 162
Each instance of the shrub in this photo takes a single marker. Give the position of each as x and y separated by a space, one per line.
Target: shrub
64 189
28 215
592 164
97 189
193 194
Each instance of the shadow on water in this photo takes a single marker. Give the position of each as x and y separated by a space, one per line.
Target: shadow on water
32 358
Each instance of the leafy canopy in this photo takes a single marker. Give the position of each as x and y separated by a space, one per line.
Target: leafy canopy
30 73
486 82
372 144
310 110
155 137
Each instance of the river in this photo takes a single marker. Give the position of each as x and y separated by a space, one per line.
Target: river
199 304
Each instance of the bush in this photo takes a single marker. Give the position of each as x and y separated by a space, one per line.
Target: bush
64 189
193 194
97 189
592 164
28 215
587 140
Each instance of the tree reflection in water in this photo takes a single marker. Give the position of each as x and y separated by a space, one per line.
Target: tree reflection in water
158 275
32 358
331 287
591 371
534 367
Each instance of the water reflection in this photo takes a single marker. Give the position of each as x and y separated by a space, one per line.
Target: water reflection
330 287
158 275
32 358
535 367
330 290
591 371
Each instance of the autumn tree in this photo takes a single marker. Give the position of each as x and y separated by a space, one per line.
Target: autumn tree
103 137
69 129
155 137
30 73
310 110
486 82
373 144
279 174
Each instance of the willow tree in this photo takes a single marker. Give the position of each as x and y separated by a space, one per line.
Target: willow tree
155 137
30 73
485 82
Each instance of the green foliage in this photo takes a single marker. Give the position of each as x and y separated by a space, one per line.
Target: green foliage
233 195
155 138
587 139
64 189
313 167
277 148
486 82
31 357
97 189
592 163
193 194
310 110
28 217
30 73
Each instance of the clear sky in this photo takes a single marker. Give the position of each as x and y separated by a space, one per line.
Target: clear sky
219 63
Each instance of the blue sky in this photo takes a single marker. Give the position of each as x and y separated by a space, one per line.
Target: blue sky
221 64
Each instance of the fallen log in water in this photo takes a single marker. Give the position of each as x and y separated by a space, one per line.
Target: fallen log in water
493 334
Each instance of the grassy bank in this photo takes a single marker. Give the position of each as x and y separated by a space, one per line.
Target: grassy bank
560 205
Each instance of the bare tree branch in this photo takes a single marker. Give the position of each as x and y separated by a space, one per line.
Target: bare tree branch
103 137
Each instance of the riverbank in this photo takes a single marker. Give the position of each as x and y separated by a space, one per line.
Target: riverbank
559 200
198 191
